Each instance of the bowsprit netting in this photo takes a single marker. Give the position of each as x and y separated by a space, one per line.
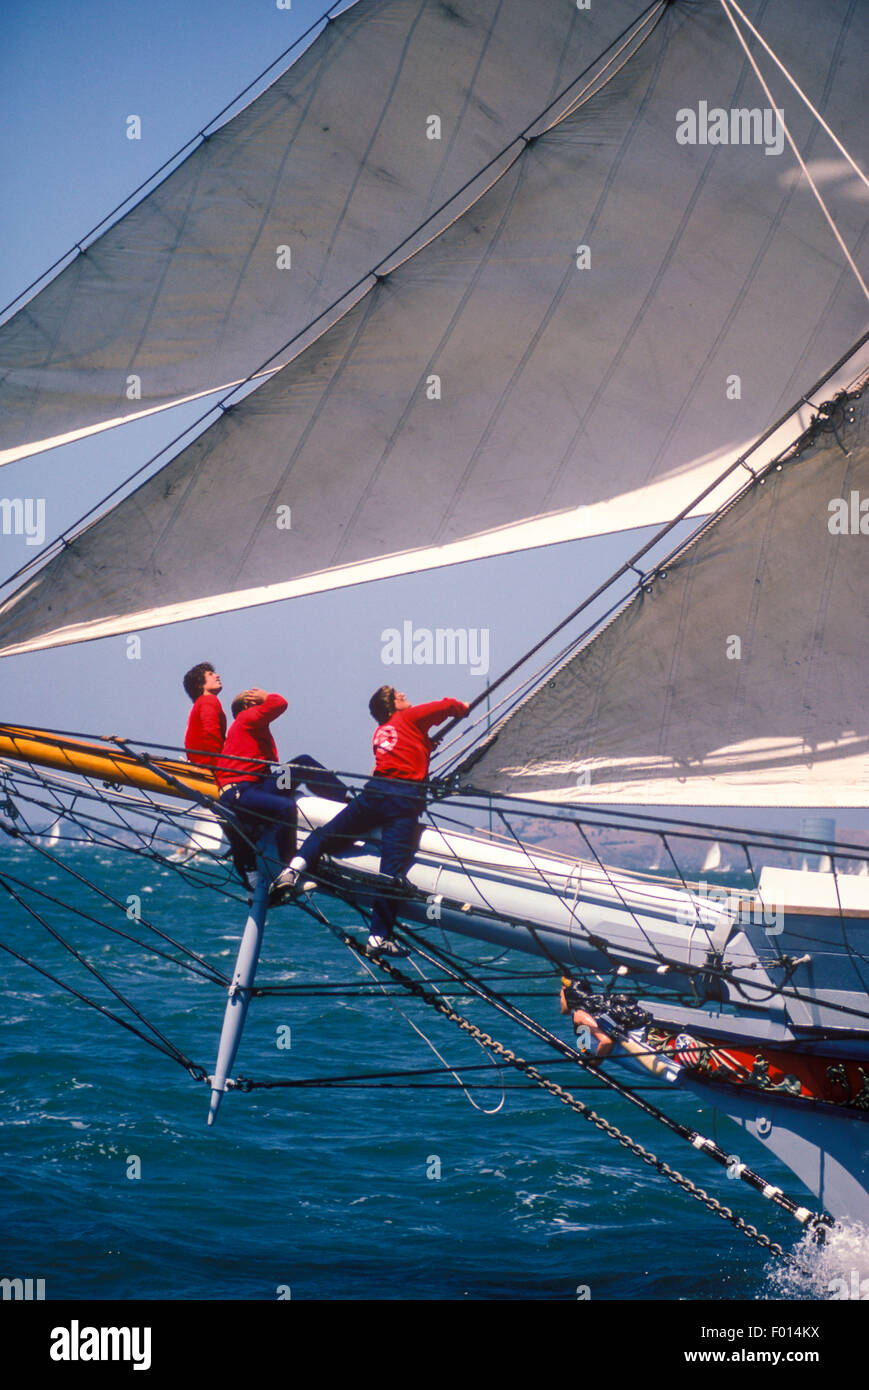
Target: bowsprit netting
53 811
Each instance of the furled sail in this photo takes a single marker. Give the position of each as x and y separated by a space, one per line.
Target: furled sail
278 213
736 678
619 313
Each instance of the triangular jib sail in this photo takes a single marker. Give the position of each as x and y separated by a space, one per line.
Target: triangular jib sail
734 676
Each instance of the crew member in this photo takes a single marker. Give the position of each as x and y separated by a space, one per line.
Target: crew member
586 1024
631 1044
249 788
206 724
393 800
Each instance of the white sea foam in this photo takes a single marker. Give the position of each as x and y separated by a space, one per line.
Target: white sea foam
833 1271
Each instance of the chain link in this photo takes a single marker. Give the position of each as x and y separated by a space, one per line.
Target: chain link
579 1106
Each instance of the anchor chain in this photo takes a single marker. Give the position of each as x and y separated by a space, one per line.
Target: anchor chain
566 1098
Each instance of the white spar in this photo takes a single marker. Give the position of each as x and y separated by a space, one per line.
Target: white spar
240 988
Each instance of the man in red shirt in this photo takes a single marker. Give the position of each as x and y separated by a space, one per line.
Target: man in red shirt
206 725
393 799
258 797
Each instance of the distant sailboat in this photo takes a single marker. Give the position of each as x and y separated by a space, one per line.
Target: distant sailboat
52 835
205 837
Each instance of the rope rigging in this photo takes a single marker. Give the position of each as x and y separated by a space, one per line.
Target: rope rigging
471 742
142 825
154 842
789 137
438 1001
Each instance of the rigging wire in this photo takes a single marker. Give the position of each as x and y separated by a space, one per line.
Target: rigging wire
196 965
461 978
710 970
699 1142
164 1044
798 89
198 1073
816 191
428 1042
148 847
714 967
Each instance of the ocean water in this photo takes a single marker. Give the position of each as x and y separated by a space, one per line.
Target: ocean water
114 1188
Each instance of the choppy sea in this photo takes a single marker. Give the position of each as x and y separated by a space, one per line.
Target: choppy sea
114 1188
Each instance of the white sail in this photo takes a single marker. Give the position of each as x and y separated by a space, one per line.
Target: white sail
537 371
191 290
737 677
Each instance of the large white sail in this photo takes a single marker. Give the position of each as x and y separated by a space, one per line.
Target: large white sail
737 677
575 353
191 290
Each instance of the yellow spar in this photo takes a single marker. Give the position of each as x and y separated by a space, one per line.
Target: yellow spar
110 765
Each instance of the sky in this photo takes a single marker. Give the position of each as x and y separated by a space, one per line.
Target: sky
71 77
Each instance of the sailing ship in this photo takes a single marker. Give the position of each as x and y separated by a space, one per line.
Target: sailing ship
476 278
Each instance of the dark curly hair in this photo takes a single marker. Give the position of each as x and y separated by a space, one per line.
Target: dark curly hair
194 681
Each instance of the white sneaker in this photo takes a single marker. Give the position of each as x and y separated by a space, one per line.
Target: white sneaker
289 881
385 946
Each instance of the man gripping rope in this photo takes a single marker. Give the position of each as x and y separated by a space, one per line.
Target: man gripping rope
392 800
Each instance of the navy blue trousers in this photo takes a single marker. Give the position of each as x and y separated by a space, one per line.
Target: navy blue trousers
264 804
395 807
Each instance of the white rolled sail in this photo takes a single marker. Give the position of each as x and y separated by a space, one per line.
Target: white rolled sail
579 351
739 677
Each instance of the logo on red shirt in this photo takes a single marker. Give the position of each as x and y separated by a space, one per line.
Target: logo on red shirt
385 738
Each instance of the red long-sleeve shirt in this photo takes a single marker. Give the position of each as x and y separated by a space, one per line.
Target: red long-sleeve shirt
402 747
206 730
249 746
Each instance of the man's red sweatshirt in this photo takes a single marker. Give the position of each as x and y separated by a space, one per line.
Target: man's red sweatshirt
402 747
206 730
249 746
